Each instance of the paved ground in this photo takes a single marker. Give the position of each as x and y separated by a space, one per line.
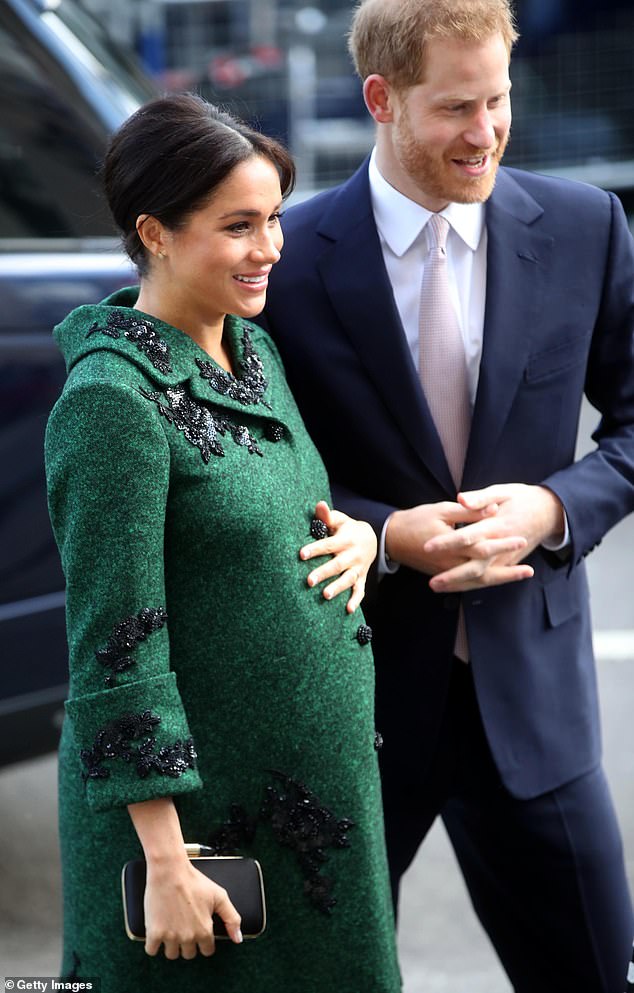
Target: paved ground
442 947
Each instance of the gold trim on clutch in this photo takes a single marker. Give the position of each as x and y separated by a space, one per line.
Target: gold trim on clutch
193 851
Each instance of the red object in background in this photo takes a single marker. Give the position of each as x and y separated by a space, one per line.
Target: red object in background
267 55
228 71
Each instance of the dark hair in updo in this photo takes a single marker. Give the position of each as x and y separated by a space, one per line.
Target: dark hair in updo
168 158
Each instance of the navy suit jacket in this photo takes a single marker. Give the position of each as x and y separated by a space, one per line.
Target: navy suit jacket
559 320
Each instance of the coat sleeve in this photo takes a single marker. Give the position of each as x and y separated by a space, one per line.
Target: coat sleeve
108 464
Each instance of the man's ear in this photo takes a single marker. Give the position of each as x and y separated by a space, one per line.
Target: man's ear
152 234
377 94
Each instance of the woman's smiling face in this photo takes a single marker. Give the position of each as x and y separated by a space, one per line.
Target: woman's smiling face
218 261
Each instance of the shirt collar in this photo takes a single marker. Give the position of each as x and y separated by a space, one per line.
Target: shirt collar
400 220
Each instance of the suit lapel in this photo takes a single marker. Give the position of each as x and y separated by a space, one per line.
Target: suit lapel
518 257
354 276
355 279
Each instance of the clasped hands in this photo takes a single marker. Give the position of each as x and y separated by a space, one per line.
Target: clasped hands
480 540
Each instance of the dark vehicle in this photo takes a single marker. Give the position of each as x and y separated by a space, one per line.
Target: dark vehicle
64 90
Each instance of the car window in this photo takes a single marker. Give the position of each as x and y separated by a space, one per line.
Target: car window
47 160
60 100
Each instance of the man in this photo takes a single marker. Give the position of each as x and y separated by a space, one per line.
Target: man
486 689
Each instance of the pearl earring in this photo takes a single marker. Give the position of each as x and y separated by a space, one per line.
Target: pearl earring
161 255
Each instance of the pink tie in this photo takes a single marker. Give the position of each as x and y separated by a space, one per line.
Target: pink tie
443 368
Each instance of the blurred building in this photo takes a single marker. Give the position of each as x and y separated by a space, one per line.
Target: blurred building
283 65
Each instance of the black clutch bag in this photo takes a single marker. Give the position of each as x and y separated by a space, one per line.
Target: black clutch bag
241 877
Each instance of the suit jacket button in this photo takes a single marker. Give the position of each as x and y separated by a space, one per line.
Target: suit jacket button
451 601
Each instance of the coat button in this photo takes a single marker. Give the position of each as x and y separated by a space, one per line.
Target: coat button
451 601
274 432
364 634
318 529
378 741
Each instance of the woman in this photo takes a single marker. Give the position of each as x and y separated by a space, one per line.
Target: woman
220 691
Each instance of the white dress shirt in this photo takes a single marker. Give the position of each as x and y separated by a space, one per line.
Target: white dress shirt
401 225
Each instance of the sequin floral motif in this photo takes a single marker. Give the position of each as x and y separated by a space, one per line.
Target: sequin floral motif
141 333
125 636
300 822
200 425
236 832
249 386
115 741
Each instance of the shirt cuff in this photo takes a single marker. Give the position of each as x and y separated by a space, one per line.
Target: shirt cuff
385 566
551 546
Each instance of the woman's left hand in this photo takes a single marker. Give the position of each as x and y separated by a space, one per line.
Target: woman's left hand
352 545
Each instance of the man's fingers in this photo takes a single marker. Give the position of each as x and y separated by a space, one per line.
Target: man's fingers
493 547
466 577
481 499
455 513
472 539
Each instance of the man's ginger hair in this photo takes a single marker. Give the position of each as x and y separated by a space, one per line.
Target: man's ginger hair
388 37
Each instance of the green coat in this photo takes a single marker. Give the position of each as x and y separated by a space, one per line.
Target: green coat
202 666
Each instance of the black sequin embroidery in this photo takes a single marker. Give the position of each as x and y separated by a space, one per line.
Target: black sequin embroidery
170 760
141 333
201 425
125 636
236 832
114 741
274 432
249 386
300 822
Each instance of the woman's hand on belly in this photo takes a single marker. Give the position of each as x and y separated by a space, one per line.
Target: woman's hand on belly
352 546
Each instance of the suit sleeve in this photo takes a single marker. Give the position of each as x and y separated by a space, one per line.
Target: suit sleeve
598 490
362 508
108 464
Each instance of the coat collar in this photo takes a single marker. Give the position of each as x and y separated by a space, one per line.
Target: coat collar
170 358
354 275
